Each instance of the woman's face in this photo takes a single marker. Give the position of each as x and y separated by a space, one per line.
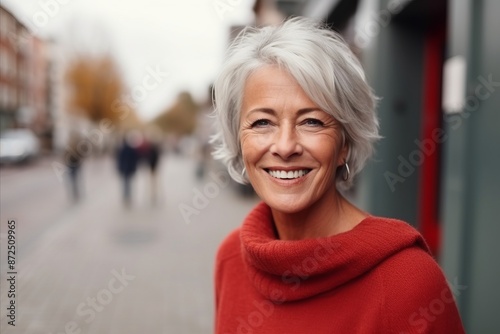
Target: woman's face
291 148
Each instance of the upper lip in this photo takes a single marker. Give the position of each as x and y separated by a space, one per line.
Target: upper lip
287 168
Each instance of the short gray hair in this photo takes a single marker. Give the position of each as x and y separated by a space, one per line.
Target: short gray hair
323 65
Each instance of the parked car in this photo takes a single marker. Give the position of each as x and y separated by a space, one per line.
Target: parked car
18 145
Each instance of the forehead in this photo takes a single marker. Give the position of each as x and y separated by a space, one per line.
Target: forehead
270 84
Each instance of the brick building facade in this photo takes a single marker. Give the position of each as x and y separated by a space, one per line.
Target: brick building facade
24 85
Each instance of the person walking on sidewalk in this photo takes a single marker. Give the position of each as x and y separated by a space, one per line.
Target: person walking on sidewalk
127 159
297 121
152 157
74 160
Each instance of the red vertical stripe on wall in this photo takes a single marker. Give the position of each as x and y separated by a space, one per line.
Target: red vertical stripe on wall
429 147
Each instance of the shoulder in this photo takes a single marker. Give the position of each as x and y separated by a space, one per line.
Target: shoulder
408 264
417 298
412 268
227 262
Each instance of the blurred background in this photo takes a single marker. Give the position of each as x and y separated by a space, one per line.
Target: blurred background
106 167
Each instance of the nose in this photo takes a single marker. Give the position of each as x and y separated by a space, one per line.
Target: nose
286 143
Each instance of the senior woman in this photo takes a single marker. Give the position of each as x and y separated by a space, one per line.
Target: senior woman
297 121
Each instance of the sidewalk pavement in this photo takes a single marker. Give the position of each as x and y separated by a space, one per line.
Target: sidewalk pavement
101 268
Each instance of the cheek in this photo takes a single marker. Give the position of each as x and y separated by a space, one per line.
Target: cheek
246 148
325 148
253 146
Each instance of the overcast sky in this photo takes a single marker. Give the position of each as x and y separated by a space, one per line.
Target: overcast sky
185 38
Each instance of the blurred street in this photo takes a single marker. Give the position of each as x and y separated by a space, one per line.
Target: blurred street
98 267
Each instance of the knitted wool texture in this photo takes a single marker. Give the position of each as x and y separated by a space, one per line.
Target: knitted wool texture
376 278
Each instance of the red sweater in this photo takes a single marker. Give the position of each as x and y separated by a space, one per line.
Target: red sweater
376 278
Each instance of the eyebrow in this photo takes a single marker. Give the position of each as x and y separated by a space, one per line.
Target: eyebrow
269 111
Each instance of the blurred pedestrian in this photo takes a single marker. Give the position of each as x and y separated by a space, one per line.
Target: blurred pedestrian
73 159
152 159
150 155
298 122
204 156
127 160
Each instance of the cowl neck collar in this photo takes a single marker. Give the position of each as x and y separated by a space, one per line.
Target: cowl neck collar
293 270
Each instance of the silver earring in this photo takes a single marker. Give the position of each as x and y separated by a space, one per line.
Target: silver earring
243 171
346 173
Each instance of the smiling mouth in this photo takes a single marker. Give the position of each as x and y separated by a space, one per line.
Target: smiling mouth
288 175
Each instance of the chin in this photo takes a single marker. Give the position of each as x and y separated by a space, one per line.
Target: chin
286 205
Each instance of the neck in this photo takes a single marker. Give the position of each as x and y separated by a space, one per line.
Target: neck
330 215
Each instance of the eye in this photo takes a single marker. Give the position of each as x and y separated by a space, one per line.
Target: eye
313 122
260 123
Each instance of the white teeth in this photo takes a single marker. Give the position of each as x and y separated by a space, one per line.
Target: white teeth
281 174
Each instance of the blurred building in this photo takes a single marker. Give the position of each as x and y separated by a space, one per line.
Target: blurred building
434 63
24 85
13 61
35 92
64 122
38 114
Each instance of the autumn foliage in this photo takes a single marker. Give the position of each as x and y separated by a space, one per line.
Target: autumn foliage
181 118
96 86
